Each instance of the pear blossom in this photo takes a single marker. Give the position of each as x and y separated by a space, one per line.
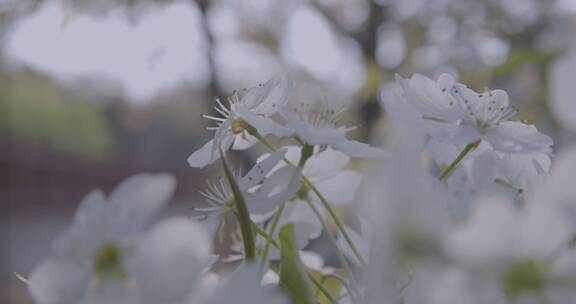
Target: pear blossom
262 189
244 286
317 123
325 169
110 255
505 255
455 114
244 110
487 172
401 222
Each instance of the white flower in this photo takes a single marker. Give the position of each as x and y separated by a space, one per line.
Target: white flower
505 254
325 169
317 123
262 190
361 239
455 114
487 172
107 255
243 286
248 109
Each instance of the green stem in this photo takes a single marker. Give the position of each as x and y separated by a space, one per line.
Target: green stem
331 238
305 153
454 165
325 203
335 219
242 213
264 234
270 237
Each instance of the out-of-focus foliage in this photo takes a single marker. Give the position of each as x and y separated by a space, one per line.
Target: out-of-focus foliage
36 109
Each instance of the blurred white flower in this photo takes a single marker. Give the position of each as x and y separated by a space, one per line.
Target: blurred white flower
507 255
562 89
244 286
247 109
487 172
455 114
108 255
402 220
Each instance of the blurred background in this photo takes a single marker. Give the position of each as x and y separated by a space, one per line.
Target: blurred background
92 91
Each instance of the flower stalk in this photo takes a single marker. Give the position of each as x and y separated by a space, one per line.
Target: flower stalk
242 213
454 165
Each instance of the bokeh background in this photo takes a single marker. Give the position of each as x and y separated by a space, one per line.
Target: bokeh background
92 91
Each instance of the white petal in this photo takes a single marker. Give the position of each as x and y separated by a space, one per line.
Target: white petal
562 89
544 232
202 157
396 105
559 188
243 286
168 262
359 242
330 136
359 150
312 260
244 141
489 234
137 199
516 137
257 174
85 234
275 190
90 207
264 125
340 189
427 96
458 135
58 281
325 163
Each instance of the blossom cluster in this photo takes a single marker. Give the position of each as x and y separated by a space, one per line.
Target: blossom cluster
463 206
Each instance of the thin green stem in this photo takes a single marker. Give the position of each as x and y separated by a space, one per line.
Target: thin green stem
335 219
325 203
270 237
454 165
264 234
331 238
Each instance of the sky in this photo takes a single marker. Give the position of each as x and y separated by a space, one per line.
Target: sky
165 47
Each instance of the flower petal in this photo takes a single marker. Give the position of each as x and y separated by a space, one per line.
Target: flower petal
202 157
340 188
168 263
137 199
58 281
516 137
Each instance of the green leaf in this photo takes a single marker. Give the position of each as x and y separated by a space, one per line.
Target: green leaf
325 287
293 278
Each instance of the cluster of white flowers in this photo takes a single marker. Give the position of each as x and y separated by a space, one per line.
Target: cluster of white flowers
465 206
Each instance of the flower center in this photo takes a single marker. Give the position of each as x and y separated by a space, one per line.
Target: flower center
522 276
108 261
238 126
